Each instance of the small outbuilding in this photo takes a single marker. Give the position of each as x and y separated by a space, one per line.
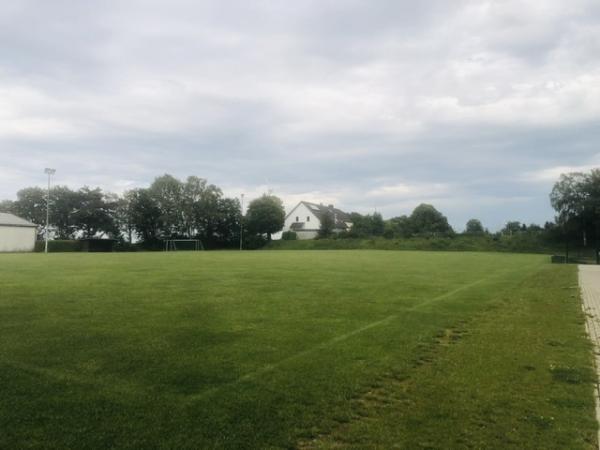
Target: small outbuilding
16 234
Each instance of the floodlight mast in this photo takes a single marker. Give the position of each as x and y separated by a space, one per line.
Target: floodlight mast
48 172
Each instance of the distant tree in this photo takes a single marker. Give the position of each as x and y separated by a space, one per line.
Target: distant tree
474 226
377 224
64 203
227 221
265 215
6 206
361 225
327 225
123 215
398 227
167 193
512 227
208 210
145 214
426 220
31 205
95 213
366 225
569 199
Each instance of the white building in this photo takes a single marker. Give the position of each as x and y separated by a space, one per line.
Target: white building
305 219
16 234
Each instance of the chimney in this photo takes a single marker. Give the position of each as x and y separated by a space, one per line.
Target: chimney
330 206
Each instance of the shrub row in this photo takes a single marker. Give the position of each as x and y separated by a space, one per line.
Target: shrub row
514 244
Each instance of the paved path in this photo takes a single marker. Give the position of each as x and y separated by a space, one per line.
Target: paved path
589 282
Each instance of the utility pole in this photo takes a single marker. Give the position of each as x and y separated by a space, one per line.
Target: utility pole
48 172
242 224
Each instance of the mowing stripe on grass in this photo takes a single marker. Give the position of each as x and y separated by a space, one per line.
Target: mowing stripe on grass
271 367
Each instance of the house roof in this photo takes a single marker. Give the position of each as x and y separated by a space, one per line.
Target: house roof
320 210
10 220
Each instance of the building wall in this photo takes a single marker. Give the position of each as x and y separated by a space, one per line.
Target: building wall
17 239
302 212
301 235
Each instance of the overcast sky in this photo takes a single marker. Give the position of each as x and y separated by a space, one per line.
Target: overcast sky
473 106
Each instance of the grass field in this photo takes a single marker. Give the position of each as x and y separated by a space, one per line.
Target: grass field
350 349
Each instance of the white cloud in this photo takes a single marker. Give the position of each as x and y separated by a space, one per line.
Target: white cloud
361 104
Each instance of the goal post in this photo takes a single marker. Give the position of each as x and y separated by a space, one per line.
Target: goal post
172 245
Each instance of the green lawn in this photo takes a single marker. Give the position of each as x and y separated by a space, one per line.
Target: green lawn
358 349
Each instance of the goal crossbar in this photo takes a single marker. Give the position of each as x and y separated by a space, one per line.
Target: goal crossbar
171 244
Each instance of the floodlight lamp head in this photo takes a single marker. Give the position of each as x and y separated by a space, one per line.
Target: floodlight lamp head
49 171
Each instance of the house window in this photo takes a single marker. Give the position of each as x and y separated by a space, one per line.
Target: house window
297 219
308 218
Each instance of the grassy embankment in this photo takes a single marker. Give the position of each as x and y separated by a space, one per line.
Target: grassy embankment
512 244
283 349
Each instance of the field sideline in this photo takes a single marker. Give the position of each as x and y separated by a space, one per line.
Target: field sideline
301 349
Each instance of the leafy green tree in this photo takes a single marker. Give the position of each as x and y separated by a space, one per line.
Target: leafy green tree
512 227
265 215
426 220
64 203
94 213
31 205
366 225
327 225
123 215
377 224
167 193
6 206
474 226
569 200
398 227
227 222
145 214
207 211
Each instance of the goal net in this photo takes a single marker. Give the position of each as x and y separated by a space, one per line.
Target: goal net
172 245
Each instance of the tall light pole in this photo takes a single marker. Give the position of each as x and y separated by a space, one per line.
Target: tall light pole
48 172
242 224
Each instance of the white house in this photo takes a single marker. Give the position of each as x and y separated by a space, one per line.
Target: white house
16 234
305 219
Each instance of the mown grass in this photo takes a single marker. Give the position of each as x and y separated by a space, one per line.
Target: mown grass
292 349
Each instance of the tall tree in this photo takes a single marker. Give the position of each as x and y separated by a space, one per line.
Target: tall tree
31 205
377 224
6 206
94 213
227 222
167 192
265 215
63 204
427 220
327 225
145 214
123 215
474 226
569 199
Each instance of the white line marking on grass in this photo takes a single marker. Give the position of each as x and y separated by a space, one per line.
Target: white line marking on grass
270 367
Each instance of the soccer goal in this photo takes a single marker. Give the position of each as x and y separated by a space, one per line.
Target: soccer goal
172 245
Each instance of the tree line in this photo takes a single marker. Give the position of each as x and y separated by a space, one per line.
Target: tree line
575 197
168 209
171 208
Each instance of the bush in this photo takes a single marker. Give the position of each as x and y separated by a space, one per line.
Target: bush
254 242
58 246
289 236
